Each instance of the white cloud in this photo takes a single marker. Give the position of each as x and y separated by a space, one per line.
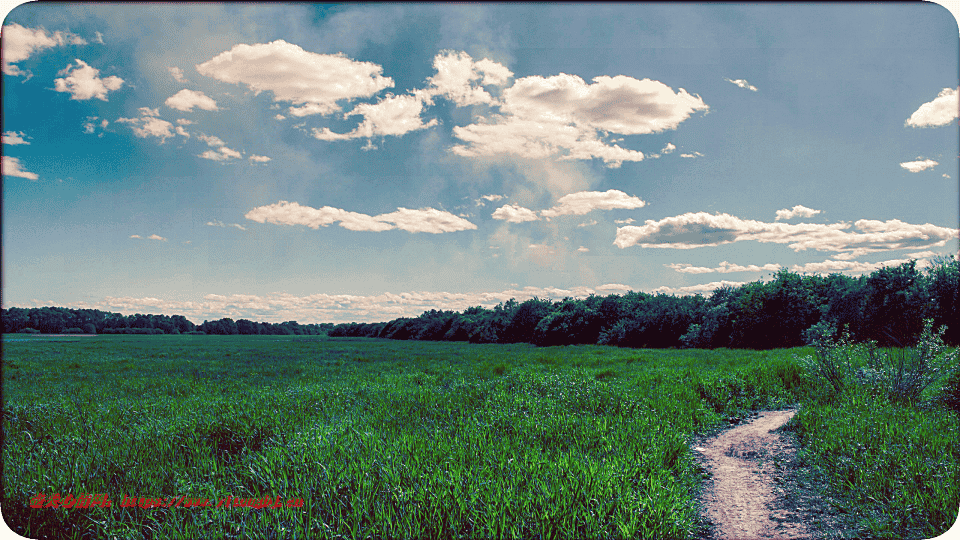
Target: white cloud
148 125
221 154
723 268
313 82
177 74
614 287
919 165
939 112
624 221
669 148
590 223
692 230
14 138
585 201
514 214
742 83
157 238
857 268
19 43
583 249
98 38
184 121
797 210
393 115
182 132
134 236
945 175
422 220
458 76
280 117
83 82
217 223
13 167
491 198
258 159
693 155
211 140
186 100
697 289
564 116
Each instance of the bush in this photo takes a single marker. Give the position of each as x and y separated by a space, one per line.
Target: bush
902 374
72 331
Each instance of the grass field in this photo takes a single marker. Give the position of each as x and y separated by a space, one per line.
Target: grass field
383 438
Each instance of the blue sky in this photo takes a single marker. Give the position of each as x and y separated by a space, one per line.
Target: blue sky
365 162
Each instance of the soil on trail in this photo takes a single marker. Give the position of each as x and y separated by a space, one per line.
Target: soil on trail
748 493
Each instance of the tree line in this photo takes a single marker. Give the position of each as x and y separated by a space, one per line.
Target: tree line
59 320
887 306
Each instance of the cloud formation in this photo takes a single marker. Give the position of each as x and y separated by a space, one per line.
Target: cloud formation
514 214
697 289
460 79
423 220
586 201
723 268
919 165
312 82
83 82
13 167
856 267
564 116
393 115
186 100
798 210
149 125
693 230
14 138
19 43
742 83
217 223
939 112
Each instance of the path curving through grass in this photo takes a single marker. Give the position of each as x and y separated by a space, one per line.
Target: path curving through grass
742 498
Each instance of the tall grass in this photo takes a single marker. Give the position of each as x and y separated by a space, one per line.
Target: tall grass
885 429
378 438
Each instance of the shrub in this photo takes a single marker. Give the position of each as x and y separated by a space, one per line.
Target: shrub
902 374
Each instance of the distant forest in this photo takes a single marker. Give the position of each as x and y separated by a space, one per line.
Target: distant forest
888 306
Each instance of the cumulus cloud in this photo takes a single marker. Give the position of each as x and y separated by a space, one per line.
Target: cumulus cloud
156 237
670 147
149 125
491 198
698 289
919 165
423 220
514 214
858 268
83 82
692 230
393 115
939 112
312 82
583 249
723 268
258 159
134 236
211 140
177 74
186 100
14 138
461 80
13 167
742 83
797 210
692 156
624 221
564 116
20 43
590 223
585 201
221 154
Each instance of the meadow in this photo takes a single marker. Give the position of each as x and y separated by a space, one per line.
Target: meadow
405 439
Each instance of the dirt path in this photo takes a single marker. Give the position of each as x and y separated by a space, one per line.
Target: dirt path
744 497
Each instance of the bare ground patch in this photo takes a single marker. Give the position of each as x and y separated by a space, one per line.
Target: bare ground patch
757 487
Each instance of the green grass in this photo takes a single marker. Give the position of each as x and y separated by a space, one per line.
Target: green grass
393 439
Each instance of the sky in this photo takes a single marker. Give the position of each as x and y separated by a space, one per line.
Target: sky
363 162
